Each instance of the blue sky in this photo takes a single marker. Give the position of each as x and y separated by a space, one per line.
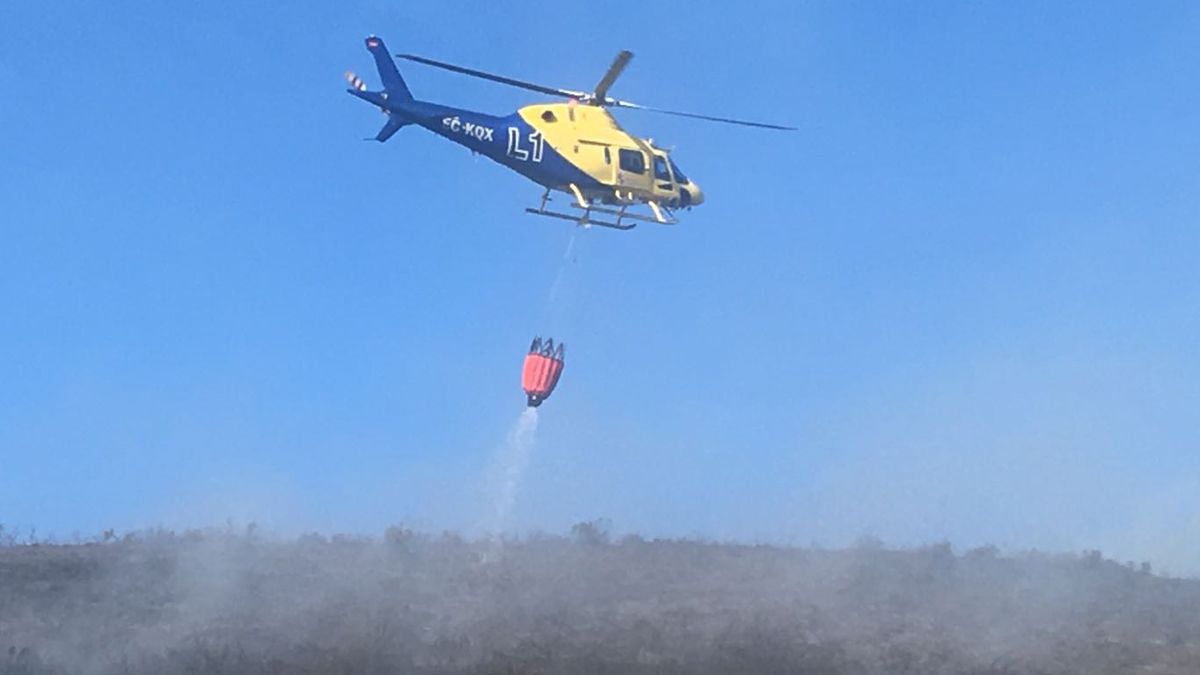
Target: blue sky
960 303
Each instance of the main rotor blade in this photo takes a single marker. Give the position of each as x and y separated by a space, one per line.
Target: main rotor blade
726 120
541 89
614 71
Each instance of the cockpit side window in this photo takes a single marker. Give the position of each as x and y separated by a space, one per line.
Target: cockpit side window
679 177
660 168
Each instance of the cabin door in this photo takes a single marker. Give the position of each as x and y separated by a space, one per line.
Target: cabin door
633 171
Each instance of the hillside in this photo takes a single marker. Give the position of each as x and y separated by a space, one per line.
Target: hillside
223 602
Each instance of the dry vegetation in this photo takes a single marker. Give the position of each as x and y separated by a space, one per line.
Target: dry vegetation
220 602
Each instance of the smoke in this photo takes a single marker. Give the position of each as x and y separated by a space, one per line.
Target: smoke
508 469
220 601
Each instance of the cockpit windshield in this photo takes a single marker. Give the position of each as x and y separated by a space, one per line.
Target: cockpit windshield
679 177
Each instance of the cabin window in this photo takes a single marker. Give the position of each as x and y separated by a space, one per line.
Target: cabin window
632 161
549 116
660 168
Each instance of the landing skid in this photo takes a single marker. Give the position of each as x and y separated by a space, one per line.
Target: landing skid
585 219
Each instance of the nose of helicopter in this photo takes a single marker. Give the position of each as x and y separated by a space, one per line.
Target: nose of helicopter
695 194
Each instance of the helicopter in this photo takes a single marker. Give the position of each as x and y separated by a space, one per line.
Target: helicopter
575 147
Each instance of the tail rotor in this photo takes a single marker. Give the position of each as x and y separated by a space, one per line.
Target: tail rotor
391 99
355 81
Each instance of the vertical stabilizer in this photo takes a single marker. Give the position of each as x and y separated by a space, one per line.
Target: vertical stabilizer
393 84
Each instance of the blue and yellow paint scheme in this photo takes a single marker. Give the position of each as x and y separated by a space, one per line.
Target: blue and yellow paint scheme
571 147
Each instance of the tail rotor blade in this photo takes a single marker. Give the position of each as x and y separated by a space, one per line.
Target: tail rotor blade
355 81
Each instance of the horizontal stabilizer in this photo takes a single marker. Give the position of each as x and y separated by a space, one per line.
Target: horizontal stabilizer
393 125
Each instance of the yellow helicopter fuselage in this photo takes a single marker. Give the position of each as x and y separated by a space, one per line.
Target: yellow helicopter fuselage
627 169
